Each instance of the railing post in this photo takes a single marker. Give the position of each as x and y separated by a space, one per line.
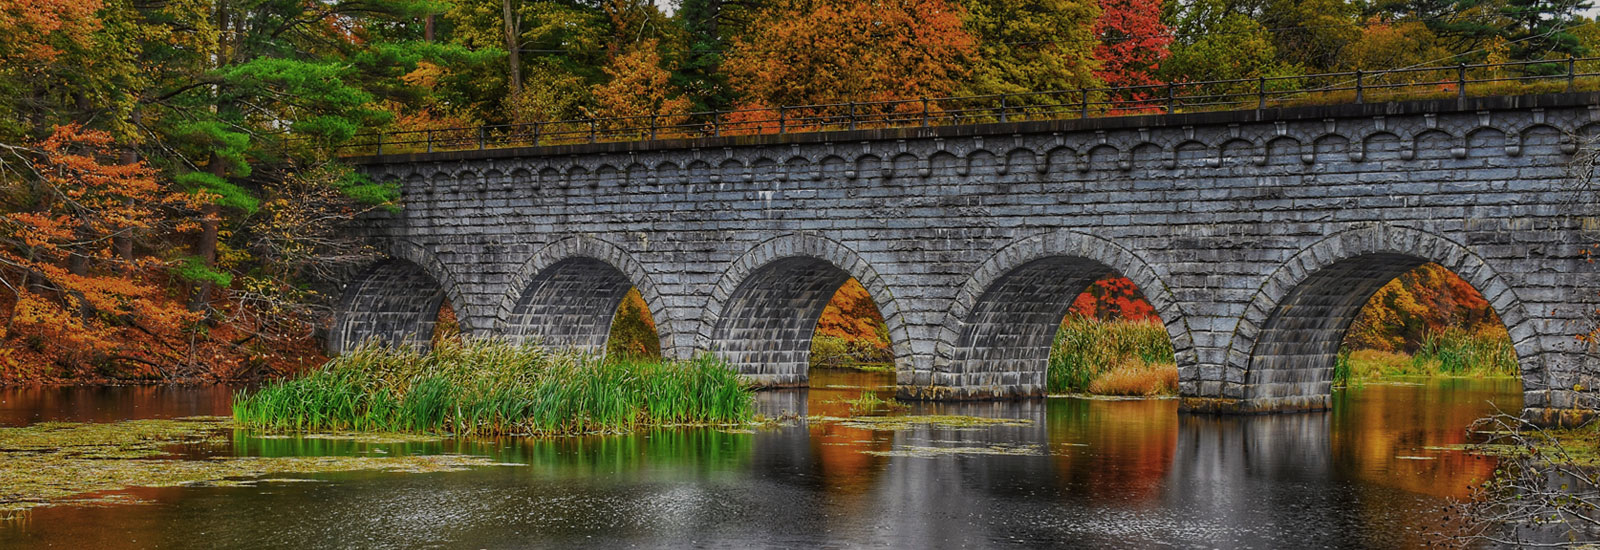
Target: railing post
483 136
1261 92
783 119
1171 97
592 136
538 128
1572 73
1461 81
1003 117
1359 91
653 127
716 123
924 112
380 143
852 115
1084 95
430 140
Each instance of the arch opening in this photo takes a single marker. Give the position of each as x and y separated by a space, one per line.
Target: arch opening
1111 342
393 303
571 304
1374 315
1060 324
767 324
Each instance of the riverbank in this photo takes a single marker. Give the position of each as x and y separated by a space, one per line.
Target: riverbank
482 387
1450 354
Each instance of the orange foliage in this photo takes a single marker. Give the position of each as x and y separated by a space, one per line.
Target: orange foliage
75 307
810 52
1113 297
34 31
1425 300
852 315
638 88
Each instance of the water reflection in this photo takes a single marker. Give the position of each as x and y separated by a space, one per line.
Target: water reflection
1091 473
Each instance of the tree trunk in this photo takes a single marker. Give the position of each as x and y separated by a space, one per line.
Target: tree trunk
122 242
513 57
206 247
427 28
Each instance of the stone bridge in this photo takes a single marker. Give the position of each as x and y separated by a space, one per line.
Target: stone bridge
1257 235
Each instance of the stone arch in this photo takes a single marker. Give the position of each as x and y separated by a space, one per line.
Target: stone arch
565 296
1282 351
764 308
396 301
995 338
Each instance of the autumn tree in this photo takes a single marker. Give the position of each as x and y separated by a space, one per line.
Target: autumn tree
1034 45
1133 42
638 89
73 301
1426 300
1110 298
810 52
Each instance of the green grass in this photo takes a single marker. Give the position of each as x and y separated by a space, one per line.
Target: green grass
485 387
1451 353
1085 349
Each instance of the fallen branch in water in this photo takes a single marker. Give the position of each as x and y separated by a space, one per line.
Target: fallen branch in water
1545 492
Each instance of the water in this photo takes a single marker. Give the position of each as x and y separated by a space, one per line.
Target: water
1111 474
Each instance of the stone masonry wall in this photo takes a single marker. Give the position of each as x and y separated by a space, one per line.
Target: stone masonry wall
1255 234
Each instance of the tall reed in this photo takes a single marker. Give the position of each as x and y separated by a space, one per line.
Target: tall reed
1085 349
1459 352
490 387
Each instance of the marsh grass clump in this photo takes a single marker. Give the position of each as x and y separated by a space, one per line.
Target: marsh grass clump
488 387
1449 353
1456 352
1137 377
1135 354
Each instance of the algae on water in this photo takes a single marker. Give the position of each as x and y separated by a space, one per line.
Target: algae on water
58 463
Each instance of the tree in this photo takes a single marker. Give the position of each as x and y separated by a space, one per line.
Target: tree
1387 45
1112 297
810 52
639 88
1133 42
1216 43
1539 30
1033 46
709 27
73 301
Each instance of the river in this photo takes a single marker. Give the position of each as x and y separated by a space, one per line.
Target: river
1072 472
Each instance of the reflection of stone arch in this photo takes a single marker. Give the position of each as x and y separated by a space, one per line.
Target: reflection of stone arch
566 294
995 338
1282 352
764 308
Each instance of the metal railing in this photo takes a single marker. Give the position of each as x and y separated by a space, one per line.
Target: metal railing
1440 82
